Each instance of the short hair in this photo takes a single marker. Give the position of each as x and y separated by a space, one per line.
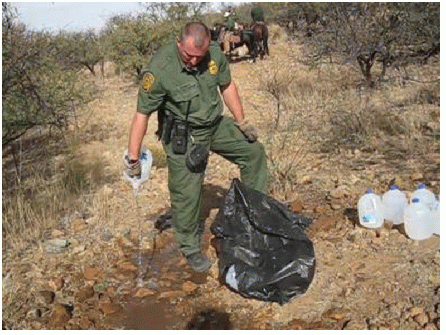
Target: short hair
198 30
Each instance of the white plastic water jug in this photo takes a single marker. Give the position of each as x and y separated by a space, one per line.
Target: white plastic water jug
394 202
145 159
370 210
425 196
417 223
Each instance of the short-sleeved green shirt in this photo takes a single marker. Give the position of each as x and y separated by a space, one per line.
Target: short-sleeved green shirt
169 85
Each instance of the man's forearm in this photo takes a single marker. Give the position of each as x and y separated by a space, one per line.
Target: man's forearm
232 100
137 131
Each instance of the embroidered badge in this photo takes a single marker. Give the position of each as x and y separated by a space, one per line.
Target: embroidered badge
147 81
213 68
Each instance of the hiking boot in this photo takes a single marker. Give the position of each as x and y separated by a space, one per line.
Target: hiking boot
198 262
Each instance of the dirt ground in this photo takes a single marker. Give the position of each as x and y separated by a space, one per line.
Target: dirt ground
119 272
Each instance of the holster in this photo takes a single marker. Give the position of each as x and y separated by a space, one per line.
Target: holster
165 124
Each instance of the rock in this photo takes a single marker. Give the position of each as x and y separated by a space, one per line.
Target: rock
417 176
109 307
92 273
34 313
171 295
297 324
356 325
336 204
143 292
422 319
78 224
336 313
84 294
59 317
78 249
340 192
189 287
305 180
56 245
46 297
57 233
414 311
126 267
56 283
297 206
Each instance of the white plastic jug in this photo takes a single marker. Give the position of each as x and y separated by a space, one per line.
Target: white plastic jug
417 220
370 210
145 159
425 196
394 202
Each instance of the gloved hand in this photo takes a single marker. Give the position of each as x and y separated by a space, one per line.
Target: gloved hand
132 167
248 130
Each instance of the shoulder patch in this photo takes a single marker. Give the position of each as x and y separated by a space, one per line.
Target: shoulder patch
147 81
213 68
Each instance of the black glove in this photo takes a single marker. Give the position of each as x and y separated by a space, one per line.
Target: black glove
248 130
132 167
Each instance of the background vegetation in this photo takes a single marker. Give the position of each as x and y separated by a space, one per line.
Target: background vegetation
363 84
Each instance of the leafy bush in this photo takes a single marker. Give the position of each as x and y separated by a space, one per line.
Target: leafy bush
36 89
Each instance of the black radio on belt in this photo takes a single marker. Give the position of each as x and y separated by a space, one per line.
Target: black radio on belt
179 137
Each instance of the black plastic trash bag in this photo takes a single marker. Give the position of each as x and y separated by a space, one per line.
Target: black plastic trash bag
263 250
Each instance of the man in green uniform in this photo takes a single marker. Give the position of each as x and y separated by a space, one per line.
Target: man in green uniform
183 81
257 14
231 26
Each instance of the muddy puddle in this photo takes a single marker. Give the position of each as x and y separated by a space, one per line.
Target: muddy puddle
163 274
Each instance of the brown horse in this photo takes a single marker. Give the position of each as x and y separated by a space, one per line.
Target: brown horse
260 38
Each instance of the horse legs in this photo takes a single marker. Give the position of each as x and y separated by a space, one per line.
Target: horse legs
265 46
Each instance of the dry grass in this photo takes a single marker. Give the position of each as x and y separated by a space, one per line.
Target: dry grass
326 109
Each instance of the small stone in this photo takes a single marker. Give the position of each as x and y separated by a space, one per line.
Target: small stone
417 176
109 307
56 283
34 313
430 326
336 313
305 180
356 325
143 292
84 293
46 297
59 317
57 233
78 249
336 203
297 206
416 310
78 224
171 295
56 245
340 192
189 287
92 273
127 267
422 319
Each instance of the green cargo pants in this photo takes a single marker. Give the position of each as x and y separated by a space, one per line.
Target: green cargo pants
185 187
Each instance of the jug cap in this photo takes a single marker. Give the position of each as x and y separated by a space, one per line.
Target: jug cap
393 187
421 186
368 191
